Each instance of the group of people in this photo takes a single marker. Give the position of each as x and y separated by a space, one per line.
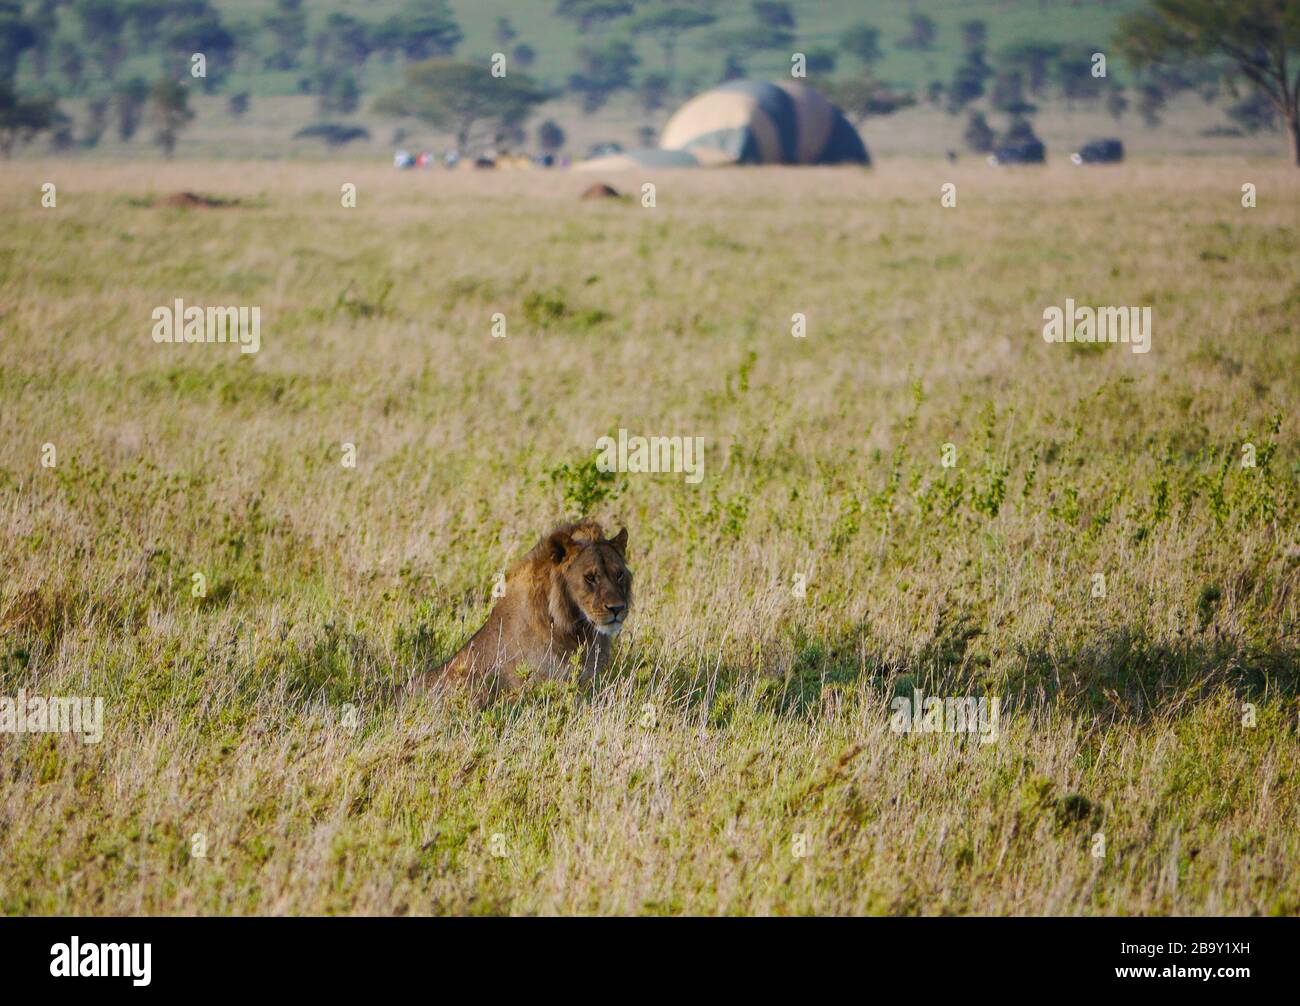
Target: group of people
490 159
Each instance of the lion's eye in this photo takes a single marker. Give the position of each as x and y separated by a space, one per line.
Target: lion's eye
591 579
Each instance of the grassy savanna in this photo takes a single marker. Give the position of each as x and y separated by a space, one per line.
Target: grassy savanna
1161 716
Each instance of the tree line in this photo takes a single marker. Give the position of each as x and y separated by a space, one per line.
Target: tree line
131 63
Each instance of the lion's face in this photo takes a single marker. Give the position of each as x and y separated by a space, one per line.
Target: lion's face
597 580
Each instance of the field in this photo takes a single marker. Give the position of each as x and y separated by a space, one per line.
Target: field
1101 557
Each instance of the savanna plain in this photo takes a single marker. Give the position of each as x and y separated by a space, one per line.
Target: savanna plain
1112 551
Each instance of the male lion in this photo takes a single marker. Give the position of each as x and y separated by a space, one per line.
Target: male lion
564 603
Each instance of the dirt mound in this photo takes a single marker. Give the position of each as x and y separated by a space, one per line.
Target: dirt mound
600 191
194 200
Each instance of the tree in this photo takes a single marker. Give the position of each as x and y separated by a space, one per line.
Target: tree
921 35
505 32
344 41
462 98
866 98
862 42
652 92
968 82
1020 130
69 64
1151 103
61 138
170 112
206 34
738 44
96 120
1117 104
605 69
525 55
421 30
550 137
129 99
773 13
1036 59
974 34
667 25
17 35
1009 94
22 118
587 14
821 61
1257 39
146 19
287 25
337 91
979 134
1076 80
44 21
102 24
1254 113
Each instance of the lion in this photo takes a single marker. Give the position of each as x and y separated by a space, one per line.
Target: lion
564 603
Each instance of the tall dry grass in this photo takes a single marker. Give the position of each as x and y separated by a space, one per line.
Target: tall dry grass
739 715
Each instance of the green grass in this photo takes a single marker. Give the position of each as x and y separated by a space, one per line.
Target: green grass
738 715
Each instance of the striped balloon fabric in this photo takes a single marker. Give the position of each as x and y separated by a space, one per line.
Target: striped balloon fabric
756 122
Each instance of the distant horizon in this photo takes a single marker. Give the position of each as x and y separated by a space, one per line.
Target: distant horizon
273 108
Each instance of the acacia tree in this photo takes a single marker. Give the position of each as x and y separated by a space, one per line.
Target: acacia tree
667 25
287 26
170 112
102 25
862 42
1257 39
16 36
1036 59
921 35
550 137
203 33
589 14
422 29
739 44
22 118
129 99
773 13
460 97
605 68
866 98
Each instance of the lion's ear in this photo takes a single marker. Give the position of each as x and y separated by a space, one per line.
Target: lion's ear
561 545
619 541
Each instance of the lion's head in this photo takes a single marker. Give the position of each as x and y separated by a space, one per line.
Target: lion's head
589 576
